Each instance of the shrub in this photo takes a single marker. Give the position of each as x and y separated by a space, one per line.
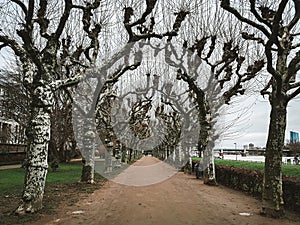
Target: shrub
251 181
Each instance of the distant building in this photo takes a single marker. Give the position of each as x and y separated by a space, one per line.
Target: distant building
294 137
251 146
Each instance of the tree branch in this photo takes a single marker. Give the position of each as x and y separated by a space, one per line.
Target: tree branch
3 46
294 94
257 16
296 46
136 38
114 78
265 91
234 90
149 8
292 67
252 70
294 85
225 4
296 18
148 33
63 19
29 15
41 20
58 84
270 68
92 33
22 5
252 37
277 23
12 44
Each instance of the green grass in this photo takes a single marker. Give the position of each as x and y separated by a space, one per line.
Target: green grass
66 173
241 164
291 170
11 180
61 186
196 158
288 170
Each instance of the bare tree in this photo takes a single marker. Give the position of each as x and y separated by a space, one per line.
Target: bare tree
227 76
275 26
228 70
39 34
138 27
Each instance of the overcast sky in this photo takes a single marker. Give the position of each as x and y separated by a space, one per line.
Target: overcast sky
256 130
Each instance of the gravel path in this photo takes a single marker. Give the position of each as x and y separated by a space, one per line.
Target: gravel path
179 200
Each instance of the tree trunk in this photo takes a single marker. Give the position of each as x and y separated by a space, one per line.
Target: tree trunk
207 144
130 155
88 152
272 184
87 173
108 160
209 175
123 150
177 157
36 166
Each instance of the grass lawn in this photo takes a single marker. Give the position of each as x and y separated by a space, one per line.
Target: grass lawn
11 180
62 187
196 158
288 170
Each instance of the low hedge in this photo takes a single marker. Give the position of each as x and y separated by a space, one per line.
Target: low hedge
251 181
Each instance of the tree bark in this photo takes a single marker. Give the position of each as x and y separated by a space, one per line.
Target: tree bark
36 166
209 175
272 196
87 174
206 143
88 152
123 150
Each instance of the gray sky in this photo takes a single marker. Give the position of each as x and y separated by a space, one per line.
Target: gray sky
256 131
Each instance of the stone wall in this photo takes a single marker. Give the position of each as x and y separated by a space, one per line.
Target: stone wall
12 153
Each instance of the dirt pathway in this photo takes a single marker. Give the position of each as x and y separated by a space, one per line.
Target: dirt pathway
181 200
